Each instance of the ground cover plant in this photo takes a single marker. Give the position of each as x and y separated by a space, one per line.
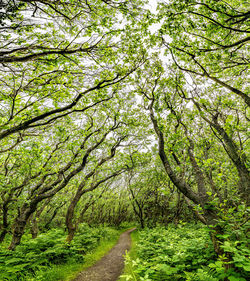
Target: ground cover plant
182 252
34 258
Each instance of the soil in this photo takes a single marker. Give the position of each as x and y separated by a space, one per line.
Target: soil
110 267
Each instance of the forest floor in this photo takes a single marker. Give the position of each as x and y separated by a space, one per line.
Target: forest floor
110 267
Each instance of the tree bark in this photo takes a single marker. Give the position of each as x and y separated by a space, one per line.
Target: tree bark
69 217
5 221
20 223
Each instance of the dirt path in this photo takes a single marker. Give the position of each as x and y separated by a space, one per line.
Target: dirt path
110 267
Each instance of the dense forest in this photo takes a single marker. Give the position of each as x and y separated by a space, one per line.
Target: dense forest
124 113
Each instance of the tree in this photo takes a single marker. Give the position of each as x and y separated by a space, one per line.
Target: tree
180 147
60 65
193 27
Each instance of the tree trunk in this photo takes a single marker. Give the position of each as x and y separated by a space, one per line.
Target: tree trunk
19 225
178 208
3 234
34 226
142 222
210 217
69 218
52 217
234 153
196 213
5 221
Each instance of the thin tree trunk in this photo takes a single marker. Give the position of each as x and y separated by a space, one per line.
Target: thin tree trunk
53 216
233 152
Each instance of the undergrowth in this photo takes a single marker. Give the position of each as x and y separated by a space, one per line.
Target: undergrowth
180 253
49 257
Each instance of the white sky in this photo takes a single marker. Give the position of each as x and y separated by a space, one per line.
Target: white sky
152 5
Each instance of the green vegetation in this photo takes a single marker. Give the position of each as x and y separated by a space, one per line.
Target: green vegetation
124 112
49 257
183 252
131 255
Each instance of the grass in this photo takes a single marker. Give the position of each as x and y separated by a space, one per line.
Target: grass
71 269
92 257
59 272
132 255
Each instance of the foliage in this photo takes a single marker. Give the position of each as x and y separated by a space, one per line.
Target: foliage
86 90
235 244
184 252
34 256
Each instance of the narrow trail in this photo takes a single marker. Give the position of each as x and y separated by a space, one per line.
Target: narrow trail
109 267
